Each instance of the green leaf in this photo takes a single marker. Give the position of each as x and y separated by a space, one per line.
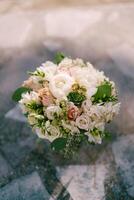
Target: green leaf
76 98
37 73
17 94
59 144
103 93
107 135
59 57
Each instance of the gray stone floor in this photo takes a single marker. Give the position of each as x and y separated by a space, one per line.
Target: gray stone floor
29 170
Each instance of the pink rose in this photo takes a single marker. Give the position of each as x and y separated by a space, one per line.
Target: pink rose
73 112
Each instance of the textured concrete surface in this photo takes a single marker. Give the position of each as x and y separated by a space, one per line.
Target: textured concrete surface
101 34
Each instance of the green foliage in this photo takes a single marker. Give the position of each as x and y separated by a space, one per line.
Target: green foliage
74 142
107 135
17 94
38 108
59 144
76 98
59 57
104 93
69 145
96 132
37 73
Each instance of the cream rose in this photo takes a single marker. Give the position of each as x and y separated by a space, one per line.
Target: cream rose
51 110
83 122
60 85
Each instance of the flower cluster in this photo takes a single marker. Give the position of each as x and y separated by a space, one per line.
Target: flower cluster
69 99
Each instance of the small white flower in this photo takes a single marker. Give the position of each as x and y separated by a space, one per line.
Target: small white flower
72 126
33 118
100 126
47 125
90 137
111 110
27 98
60 85
95 139
51 110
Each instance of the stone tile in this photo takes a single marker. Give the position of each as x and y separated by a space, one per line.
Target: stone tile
16 152
16 114
123 150
5 168
14 31
71 22
84 181
29 187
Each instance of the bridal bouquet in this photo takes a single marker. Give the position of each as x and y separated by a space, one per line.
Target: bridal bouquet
68 102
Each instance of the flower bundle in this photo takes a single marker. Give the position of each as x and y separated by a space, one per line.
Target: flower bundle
68 102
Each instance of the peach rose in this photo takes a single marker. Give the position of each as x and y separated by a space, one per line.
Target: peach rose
30 84
46 97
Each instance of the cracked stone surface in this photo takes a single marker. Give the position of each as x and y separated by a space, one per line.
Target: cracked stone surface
123 150
27 187
31 35
87 180
16 152
5 168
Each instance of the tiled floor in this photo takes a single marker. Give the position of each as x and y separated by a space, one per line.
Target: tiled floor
101 34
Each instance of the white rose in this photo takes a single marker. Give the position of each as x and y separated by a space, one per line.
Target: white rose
97 113
65 63
86 105
52 133
40 134
51 110
55 132
60 85
27 97
49 70
83 122
33 118
79 62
